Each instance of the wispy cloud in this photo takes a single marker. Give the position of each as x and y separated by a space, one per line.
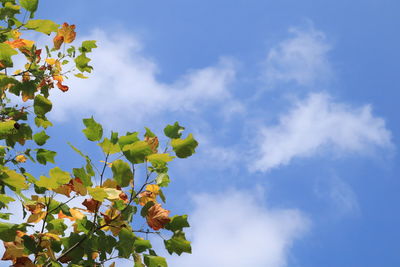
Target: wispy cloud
124 85
302 58
339 194
235 229
319 122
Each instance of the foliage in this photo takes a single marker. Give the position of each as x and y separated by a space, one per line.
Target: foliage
55 232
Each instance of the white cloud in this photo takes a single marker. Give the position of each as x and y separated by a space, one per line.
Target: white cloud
301 58
124 85
319 122
235 229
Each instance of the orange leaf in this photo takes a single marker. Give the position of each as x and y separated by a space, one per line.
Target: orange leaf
157 217
61 215
62 87
58 41
20 158
95 255
64 189
35 208
153 143
150 194
78 187
13 251
124 197
23 262
66 34
20 43
76 214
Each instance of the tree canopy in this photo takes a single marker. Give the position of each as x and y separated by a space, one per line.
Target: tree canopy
77 217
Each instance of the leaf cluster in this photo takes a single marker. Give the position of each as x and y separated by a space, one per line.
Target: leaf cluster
103 209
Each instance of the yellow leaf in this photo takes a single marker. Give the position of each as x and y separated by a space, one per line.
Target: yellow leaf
95 255
20 158
52 236
36 217
50 61
110 183
58 78
112 194
61 215
66 34
13 250
76 214
20 43
155 189
15 34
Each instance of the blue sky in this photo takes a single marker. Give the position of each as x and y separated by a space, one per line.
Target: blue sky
294 105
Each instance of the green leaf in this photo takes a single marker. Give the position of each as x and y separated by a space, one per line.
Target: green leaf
146 208
23 132
108 147
178 244
8 231
137 152
159 160
81 174
56 226
43 156
107 242
42 122
30 5
125 243
42 25
162 180
184 147
93 130
174 131
6 52
128 139
77 253
57 178
122 172
87 46
41 138
177 223
80 75
6 128
14 180
154 261
149 133
114 138
84 225
128 212
141 245
4 200
5 216
81 62
89 168
97 193
41 105
161 194
138 260
77 150
30 245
